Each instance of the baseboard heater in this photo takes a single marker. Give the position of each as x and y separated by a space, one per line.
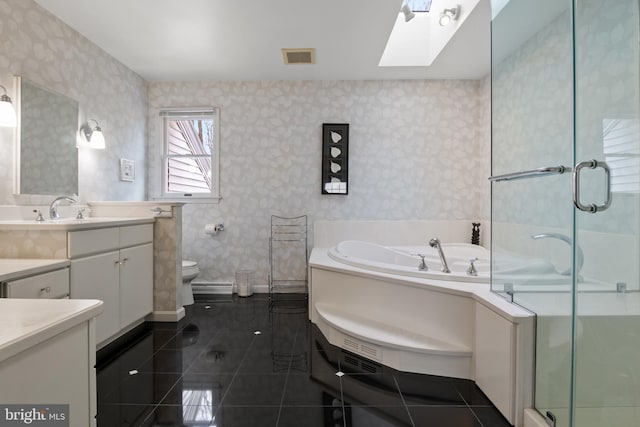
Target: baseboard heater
206 287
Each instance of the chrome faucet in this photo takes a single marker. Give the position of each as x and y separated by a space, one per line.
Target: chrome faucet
53 208
435 243
423 264
566 239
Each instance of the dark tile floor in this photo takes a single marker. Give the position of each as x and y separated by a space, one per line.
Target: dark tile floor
239 362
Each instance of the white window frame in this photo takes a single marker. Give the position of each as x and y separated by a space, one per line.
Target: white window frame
191 113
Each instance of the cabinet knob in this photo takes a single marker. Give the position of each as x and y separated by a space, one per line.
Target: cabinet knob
46 289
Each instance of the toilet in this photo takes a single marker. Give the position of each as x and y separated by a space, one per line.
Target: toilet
190 271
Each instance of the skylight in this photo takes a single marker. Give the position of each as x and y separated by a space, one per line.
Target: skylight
419 5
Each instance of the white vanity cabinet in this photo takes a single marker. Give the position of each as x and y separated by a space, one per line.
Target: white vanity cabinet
115 265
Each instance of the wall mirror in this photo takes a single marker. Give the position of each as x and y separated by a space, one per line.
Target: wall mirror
46 153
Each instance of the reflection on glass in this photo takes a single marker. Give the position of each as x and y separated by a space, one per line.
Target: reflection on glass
335 152
622 153
335 168
197 407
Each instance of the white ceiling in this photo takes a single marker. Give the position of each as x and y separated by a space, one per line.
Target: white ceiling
189 40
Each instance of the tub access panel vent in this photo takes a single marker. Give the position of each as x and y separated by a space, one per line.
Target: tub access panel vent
366 350
359 364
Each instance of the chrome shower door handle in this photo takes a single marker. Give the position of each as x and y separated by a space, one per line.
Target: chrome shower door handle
592 208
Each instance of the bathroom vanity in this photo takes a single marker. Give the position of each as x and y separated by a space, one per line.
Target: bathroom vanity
109 259
47 355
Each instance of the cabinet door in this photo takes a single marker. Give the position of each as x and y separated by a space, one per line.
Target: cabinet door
97 277
136 283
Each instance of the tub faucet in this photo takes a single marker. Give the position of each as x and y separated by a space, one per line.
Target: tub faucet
423 264
53 208
435 243
566 239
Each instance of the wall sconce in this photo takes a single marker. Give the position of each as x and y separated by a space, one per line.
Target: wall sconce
7 112
91 137
449 15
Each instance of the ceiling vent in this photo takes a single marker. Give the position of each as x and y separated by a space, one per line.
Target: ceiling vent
299 56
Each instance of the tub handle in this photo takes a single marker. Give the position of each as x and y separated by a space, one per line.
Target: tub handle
471 271
423 264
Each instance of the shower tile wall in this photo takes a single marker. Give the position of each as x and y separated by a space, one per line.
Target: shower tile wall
44 50
418 150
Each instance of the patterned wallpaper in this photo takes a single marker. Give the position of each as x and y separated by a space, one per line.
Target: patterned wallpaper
42 49
418 150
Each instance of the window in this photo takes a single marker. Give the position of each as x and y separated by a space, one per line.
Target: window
190 154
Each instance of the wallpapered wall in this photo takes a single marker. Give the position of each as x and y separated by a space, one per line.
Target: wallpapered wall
418 150
42 49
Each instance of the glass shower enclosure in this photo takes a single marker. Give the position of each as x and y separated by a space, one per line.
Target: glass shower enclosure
565 226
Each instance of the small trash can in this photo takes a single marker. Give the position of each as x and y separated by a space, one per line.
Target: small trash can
244 279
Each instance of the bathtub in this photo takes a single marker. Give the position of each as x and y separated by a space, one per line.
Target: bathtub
404 261
371 300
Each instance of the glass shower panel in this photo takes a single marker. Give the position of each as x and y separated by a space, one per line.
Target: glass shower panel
532 215
607 113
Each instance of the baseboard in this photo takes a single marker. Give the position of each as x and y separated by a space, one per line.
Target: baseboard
532 418
210 287
206 287
166 316
260 289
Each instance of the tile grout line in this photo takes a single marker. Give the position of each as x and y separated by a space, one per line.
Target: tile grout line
404 403
155 405
235 374
344 411
470 408
286 381
179 378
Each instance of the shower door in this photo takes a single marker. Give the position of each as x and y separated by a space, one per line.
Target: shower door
565 199
607 110
531 201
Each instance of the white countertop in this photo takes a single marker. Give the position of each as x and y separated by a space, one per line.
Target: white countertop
70 224
28 322
15 268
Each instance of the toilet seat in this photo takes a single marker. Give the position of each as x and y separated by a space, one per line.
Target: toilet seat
189 270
